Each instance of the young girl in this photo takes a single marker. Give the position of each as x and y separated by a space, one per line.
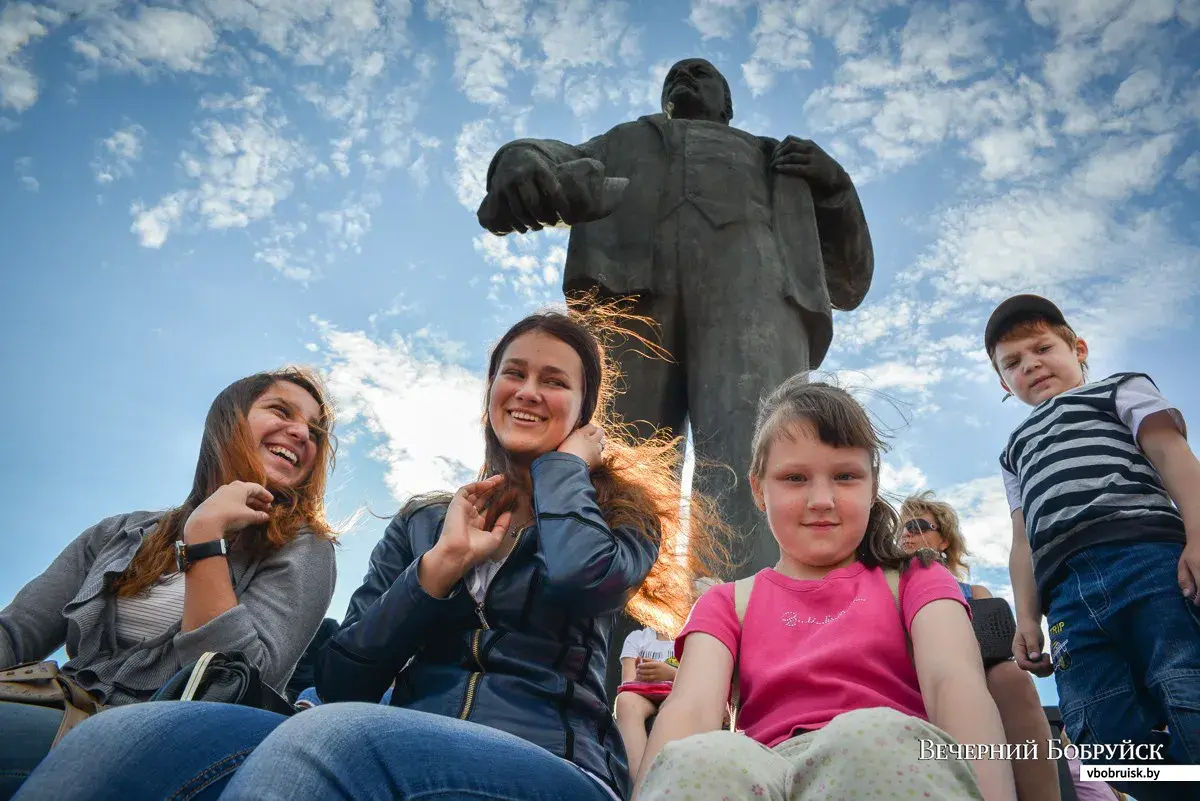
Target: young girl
932 524
832 702
490 611
647 670
255 574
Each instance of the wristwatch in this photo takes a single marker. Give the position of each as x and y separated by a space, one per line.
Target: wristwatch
188 555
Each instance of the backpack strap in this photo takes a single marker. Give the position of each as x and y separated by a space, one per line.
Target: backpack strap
741 600
893 579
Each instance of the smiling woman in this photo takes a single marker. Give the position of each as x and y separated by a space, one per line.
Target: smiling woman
489 613
245 564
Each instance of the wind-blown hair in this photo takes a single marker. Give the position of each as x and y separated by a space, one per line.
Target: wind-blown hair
839 421
228 453
638 480
946 519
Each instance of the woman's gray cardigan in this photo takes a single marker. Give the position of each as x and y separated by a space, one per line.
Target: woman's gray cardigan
282 598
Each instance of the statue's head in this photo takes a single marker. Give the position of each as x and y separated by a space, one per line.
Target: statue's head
696 90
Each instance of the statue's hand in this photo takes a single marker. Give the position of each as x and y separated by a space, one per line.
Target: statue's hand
804 159
525 196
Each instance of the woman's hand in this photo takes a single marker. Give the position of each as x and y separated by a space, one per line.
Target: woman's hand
465 542
652 670
233 507
586 442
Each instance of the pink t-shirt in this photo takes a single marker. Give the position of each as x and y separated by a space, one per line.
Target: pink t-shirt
816 649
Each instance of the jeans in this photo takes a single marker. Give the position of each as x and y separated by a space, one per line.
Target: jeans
28 731
153 751
1126 651
182 750
308 697
365 751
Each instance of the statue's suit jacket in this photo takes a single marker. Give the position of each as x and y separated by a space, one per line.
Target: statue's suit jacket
826 248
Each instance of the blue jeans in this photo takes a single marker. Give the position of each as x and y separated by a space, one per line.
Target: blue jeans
190 750
1126 649
28 731
358 751
157 750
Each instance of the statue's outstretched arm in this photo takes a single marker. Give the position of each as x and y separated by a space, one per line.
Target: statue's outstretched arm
532 183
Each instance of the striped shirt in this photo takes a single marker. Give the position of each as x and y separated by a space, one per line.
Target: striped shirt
1081 477
151 613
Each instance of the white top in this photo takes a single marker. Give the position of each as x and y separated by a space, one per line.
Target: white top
647 645
151 613
1136 399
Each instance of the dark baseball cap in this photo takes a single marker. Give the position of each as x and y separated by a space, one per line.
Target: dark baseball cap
1019 306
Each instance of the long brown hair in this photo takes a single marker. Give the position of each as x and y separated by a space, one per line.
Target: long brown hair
227 453
839 422
638 480
946 519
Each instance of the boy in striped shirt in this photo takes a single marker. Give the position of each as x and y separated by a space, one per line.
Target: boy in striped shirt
1105 500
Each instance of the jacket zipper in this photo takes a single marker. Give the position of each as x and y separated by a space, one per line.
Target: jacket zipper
473 679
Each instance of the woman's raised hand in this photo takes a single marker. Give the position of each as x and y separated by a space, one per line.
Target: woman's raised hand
586 442
465 542
233 507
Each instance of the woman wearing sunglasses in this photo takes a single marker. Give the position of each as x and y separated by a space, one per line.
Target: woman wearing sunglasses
932 524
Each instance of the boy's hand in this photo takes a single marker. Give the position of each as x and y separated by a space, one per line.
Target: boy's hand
1189 571
1027 649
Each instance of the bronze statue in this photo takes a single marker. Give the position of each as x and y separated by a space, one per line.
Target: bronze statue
737 245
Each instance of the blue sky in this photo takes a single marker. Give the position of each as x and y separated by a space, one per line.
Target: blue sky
194 191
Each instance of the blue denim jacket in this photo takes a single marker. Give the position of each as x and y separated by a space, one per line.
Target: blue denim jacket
530 660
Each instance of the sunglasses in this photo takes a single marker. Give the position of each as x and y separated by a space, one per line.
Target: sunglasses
919 525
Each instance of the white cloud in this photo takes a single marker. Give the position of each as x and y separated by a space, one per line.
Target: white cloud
583 94
20 25
1189 172
24 169
1139 88
389 387
982 508
1123 169
573 34
717 18
240 168
487 36
350 223
530 265
316 32
153 225
477 142
640 91
155 37
118 154
278 249
899 478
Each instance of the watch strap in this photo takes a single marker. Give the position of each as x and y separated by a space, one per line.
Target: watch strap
187 555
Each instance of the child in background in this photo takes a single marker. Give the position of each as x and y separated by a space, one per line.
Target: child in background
647 671
832 698
1105 500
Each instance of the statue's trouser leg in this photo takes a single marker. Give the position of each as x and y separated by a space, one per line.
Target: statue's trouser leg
742 339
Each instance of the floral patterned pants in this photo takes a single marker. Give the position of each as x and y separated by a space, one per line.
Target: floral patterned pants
864 754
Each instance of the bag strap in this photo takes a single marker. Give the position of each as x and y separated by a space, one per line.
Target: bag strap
42 683
189 691
893 579
741 600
